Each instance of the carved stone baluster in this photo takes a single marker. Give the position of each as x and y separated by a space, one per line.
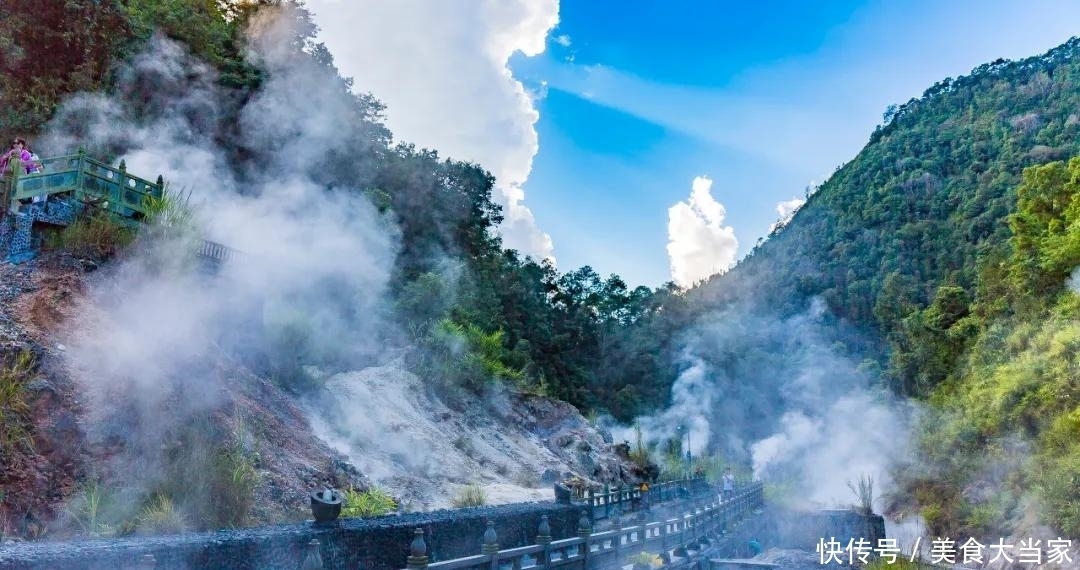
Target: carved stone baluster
418 559
543 538
584 531
491 545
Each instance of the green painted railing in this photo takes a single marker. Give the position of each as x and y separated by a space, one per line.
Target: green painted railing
86 179
90 181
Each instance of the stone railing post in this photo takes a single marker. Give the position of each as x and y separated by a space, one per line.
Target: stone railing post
80 172
312 556
15 170
418 559
585 531
543 538
491 545
618 546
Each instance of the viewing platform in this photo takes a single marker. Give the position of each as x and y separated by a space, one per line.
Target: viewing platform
64 188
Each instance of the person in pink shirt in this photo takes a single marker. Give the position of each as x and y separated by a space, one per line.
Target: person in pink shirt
20 152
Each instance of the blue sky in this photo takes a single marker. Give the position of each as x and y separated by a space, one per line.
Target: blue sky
597 118
638 98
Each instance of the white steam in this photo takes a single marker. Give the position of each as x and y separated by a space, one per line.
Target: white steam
316 260
853 437
699 245
442 69
780 398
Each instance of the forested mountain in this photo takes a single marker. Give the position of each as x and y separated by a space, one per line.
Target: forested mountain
907 223
931 258
943 266
526 322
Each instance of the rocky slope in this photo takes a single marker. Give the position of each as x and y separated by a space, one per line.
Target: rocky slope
380 425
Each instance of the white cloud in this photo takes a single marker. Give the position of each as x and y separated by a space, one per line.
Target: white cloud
699 245
441 68
786 210
563 40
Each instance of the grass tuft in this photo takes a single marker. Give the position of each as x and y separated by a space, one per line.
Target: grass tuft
14 408
864 492
371 503
471 495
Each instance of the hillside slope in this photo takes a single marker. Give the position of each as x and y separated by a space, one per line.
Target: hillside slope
919 207
939 260
250 452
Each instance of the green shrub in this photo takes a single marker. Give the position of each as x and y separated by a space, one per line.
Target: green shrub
96 236
371 503
232 487
466 356
645 558
171 212
208 475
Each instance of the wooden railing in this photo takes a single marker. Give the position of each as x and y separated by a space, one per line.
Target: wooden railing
683 536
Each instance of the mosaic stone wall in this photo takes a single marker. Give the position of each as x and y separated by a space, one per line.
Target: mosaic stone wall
16 229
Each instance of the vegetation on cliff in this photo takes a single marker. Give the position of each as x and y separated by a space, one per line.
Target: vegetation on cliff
939 263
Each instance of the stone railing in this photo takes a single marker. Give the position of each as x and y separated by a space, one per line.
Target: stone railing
450 539
682 537
613 501
87 180
78 180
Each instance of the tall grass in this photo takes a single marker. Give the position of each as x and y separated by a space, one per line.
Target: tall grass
171 212
14 409
91 509
471 495
864 493
160 515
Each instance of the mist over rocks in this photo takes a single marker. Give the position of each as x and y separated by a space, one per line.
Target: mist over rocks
783 399
425 449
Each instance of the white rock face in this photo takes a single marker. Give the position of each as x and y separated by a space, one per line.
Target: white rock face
413 445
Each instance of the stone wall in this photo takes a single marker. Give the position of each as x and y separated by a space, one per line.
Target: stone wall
804 530
16 230
369 544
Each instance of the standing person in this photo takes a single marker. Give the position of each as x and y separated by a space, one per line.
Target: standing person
34 167
18 152
729 484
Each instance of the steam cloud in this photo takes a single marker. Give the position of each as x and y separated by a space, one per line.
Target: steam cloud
316 256
442 69
699 245
779 396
